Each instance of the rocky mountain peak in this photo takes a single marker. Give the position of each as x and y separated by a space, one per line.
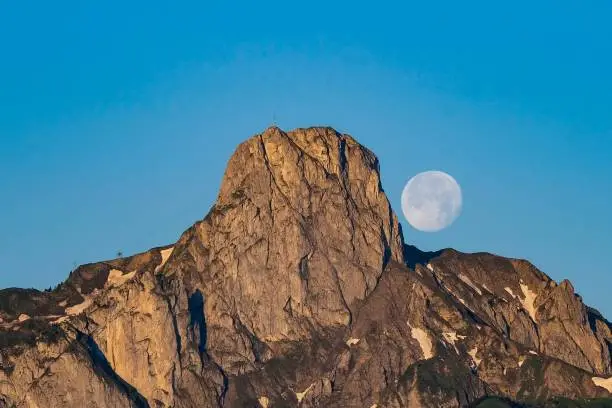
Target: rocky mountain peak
296 290
302 221
567 286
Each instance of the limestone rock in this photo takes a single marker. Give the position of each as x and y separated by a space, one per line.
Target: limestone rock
297 289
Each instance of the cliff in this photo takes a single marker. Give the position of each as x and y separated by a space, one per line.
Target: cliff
297 290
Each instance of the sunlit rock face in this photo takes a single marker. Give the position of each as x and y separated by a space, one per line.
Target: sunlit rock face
300 221
296 289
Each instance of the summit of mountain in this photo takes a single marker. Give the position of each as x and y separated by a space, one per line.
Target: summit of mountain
297 289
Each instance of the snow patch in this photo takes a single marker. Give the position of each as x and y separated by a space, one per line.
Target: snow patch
533 352
424 341
603 383
77 309
59 320
430 267
80 308
263 401
472 354
118 278
352 342
23 317
469 282
300 395
165 254
528 302
507 289
452 337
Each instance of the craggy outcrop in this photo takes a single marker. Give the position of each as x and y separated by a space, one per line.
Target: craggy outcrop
297 290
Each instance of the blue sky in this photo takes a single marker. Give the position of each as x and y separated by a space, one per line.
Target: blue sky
117 119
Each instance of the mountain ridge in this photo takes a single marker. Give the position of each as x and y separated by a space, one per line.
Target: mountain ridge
297 289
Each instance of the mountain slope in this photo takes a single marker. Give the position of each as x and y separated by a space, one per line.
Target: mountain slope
297 290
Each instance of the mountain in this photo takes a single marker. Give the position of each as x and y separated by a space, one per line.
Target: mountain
297 290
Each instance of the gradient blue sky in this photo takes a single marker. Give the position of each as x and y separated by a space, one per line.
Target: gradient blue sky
117 119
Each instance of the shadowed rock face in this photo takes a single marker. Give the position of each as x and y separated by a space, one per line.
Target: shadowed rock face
297 290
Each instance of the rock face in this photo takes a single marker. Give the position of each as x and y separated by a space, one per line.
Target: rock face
297 290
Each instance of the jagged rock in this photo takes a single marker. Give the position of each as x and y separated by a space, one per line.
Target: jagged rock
529 307
297 290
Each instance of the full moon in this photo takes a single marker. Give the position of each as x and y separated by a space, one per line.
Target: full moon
431 201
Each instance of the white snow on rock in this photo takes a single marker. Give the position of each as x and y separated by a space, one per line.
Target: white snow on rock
507 289
59 320
263 401
533 352
528 302
472 354
603 383
23 317
430 267
165 254
300 395
424 341
118 278
80 308
468 281
77 309
452 337
350 342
